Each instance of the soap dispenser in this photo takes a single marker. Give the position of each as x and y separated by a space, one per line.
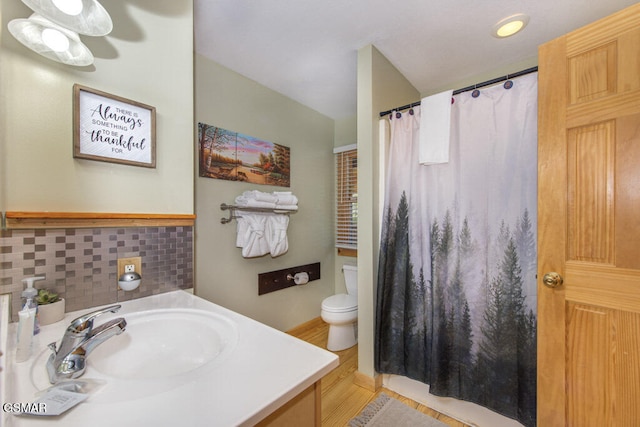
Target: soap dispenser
29 300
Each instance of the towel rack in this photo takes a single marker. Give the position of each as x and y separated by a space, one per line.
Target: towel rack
233 208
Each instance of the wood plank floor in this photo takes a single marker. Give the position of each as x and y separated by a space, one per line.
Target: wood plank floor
341 398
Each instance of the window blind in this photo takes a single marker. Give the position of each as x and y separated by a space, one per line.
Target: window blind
346 197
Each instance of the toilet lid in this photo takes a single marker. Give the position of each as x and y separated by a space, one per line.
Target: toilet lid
340 303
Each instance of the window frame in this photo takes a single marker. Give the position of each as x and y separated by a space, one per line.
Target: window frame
346 200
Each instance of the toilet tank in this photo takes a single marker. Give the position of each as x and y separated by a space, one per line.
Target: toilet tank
351 278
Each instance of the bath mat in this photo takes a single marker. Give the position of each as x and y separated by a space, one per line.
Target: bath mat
385 411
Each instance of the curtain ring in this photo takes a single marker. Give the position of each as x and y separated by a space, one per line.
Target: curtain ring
476 92
508 84
398 114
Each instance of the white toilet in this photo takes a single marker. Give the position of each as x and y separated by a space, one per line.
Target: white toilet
340 311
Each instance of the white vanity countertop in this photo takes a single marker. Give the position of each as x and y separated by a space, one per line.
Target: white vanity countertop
265 370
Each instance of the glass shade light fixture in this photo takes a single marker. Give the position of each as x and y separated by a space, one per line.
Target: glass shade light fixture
70 7
86 17
51 40
52 31
510 25
55 40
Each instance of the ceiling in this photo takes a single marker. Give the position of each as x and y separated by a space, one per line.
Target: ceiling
307 49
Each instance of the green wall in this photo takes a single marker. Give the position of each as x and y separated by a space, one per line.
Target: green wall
380 87
233 102
147 58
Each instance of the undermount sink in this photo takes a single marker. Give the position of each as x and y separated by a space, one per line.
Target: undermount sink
159 350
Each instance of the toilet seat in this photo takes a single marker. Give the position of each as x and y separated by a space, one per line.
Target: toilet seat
340 303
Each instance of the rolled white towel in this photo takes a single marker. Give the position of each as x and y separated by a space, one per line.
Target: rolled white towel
285 208
260 196
250 202
288 199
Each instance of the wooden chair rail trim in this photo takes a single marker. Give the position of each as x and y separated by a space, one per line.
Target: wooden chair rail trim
21 220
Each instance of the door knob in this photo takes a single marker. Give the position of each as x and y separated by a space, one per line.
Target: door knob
552 280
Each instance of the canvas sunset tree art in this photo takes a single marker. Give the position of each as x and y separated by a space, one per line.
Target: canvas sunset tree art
236 157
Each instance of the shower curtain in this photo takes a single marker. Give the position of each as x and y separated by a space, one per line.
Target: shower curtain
456 291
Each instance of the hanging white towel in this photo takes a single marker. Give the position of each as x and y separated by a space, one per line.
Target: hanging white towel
277 234
435 127
260 233
256 243
242 232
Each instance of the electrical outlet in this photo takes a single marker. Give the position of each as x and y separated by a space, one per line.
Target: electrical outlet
129 265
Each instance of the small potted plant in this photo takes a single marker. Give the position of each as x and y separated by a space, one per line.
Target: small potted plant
50 307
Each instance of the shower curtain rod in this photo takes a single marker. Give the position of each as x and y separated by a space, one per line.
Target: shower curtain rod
468 88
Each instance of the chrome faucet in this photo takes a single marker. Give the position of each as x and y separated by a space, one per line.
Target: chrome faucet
80 338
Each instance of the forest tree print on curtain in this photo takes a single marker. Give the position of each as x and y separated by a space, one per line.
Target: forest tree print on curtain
456 280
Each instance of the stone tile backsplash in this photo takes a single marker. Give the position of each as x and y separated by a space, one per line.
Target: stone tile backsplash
81 264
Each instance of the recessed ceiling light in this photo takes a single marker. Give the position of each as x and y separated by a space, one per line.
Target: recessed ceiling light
510 25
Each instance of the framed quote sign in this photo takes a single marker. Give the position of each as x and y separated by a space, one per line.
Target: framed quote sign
113 129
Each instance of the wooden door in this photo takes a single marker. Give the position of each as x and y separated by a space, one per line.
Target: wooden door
589 225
